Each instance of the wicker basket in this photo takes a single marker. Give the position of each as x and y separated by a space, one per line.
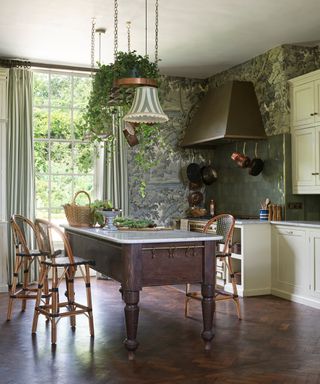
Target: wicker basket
79 215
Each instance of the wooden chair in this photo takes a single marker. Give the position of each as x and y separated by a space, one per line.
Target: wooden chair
24 237
224 227
62 265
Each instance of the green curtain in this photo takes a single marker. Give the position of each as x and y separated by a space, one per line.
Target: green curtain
116 171
20 171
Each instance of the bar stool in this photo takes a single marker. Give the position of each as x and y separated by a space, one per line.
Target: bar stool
24 237
62 265
224 227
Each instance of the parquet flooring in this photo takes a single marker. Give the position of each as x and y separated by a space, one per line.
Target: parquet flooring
277 341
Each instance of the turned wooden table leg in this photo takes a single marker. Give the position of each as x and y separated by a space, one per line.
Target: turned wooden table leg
131 312
208 308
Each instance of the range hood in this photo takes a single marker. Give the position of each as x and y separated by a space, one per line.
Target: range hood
227 113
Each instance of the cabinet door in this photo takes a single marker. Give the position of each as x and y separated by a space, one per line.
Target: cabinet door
304 172
302 108
314 264
317 102
289 260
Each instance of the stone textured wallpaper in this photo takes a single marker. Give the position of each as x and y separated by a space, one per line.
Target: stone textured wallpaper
234 191
166 187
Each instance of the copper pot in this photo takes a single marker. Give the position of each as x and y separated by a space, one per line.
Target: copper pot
242 160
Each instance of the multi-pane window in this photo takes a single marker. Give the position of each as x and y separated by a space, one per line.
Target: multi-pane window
64 162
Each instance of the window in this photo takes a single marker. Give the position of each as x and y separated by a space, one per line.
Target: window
64 162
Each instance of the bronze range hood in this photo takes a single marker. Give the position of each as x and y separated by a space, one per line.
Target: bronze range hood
227 113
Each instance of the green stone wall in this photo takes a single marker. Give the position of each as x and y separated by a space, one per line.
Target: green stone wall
235 190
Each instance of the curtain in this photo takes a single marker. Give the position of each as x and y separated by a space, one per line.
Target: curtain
20 172
116 172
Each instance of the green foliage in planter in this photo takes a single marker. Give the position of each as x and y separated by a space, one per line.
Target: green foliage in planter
129 64
105 100
104 97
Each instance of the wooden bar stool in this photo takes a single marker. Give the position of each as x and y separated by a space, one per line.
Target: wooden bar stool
61 266
24 236
224 227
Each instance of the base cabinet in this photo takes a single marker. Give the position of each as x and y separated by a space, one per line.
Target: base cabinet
252 260
314 264
296 264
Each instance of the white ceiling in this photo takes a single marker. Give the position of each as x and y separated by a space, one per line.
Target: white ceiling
197 38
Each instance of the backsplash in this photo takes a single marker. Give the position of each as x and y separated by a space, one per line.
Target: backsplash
239 193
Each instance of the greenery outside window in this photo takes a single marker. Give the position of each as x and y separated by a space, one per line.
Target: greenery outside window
64 162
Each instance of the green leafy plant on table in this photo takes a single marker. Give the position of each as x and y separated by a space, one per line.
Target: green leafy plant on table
126 222
99 205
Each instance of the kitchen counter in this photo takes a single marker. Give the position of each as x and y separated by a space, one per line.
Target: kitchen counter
313 224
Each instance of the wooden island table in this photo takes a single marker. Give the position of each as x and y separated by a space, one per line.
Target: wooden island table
139 259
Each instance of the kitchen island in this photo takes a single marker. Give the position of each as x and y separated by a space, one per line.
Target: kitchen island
140 259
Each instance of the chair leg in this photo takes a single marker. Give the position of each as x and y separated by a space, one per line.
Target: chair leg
234 287
26 265
70 273
42 279
55 304
13 286
186 302
89 299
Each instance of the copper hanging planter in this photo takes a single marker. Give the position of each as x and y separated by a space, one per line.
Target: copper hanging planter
134 82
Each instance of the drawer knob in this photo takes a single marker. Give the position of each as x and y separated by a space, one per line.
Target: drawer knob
315 173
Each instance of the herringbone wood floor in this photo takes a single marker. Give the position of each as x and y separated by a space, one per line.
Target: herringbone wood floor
276 342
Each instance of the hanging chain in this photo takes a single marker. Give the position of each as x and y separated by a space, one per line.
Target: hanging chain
156 58
93 29
146 28
115 29
129 37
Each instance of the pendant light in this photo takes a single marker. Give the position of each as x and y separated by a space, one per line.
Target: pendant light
146 106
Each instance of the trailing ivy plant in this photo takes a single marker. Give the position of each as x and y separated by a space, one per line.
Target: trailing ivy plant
105 100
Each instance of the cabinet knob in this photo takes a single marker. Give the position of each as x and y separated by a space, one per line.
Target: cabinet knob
311 114
315 173
315 113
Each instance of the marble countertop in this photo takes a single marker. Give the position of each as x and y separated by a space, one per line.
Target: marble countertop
313 224
143 237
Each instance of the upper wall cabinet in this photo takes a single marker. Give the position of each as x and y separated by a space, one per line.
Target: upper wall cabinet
305 130
305 99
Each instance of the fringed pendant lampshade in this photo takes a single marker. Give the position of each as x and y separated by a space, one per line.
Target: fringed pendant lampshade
146 107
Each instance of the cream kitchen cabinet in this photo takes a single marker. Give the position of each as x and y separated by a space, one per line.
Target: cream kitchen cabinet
254 259
314 264
289 261
305 99
296 264
306 160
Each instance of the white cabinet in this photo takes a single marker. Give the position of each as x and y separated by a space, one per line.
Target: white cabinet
314 263
305 128
306 160
3 133
254 260
289 260
296 264
305 99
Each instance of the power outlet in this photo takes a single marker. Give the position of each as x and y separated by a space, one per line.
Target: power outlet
295 206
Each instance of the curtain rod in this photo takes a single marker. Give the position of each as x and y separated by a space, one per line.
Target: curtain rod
9 63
